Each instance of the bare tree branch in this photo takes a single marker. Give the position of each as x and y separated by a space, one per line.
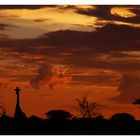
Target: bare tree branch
87 110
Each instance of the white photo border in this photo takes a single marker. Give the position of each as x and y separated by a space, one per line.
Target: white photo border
69 2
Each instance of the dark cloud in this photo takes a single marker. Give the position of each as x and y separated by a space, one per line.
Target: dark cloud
44 74
112 65
30 7
3 37
84 49
40 20
128 88
78 49
104 12
98 80
99 49
4 26
101 11
8 16
109 38
106 39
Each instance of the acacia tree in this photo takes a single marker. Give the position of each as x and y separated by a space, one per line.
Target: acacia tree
136 102
123 117
87 110
58 115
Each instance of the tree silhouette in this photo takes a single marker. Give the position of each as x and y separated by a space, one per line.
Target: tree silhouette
136 102
87 110
123 117
2 110
58 115
99 118
34 118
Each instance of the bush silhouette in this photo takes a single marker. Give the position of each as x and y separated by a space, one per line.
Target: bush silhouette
2 110
136 102
58 115
99 118
123 117
34 118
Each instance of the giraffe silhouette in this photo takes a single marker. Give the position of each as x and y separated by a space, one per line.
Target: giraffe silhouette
19 114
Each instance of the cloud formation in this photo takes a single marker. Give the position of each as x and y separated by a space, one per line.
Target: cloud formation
128 88
5 26
105 13
112 47
99 44
31 7
49 75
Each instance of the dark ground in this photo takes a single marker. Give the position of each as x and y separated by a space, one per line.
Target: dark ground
37 126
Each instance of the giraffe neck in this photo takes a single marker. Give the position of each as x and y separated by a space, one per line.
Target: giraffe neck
18 101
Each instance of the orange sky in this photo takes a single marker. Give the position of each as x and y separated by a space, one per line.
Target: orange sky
59 53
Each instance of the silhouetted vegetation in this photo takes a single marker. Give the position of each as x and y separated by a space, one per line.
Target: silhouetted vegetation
87 110
2 110
122 117
120 123
136 102
63 122
99 118
58 115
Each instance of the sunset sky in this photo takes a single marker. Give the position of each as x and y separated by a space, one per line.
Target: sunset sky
58 53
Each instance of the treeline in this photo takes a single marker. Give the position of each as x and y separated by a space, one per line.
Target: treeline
63 122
